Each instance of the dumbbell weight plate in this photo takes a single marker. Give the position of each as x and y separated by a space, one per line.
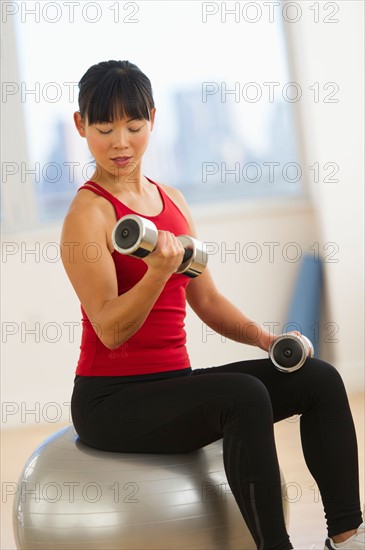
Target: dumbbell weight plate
137 236
288 352
134 236
195 257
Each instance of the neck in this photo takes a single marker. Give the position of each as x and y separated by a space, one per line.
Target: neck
133 182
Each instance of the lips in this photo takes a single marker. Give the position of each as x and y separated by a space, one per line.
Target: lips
121 161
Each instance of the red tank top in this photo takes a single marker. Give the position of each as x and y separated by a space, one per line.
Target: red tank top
160 343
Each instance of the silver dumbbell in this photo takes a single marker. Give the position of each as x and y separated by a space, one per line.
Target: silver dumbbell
136 236
288 352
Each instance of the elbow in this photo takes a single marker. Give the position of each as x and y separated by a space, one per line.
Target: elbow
113 333
114 337
111 341
110 345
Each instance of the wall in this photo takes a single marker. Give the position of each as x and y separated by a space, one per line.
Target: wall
326 53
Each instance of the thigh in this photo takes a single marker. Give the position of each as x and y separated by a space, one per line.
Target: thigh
290 393
171 415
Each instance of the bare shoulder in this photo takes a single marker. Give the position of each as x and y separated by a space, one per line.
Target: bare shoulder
88 213
80 209
85 201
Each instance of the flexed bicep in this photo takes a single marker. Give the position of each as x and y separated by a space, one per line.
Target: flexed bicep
88 261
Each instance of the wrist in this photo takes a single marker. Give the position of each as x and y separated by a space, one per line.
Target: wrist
156 277
265 341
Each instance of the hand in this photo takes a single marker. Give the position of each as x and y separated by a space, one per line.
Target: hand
167 255
296 332
267 338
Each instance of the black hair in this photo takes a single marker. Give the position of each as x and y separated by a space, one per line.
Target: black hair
115 89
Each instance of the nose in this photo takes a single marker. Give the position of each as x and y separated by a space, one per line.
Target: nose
120 140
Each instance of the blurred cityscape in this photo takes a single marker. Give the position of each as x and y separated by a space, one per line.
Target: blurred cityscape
208 160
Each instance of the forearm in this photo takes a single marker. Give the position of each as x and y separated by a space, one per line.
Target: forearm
226 319
121 317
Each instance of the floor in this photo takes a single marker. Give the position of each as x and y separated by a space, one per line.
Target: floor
307 527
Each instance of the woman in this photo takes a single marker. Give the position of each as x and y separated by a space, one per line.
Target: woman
134 389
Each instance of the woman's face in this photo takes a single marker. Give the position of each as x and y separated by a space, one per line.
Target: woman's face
117 146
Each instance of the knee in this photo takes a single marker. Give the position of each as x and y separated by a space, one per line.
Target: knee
326 393
323 380
247 400
322 372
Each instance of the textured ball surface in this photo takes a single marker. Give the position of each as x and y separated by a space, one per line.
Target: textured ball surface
73 497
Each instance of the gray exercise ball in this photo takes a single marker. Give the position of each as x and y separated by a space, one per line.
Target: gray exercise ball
73 497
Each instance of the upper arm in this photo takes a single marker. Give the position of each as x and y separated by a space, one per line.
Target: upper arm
87 259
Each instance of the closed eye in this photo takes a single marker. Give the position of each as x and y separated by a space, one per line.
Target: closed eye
102 132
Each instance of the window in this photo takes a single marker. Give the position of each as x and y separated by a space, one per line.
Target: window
225 101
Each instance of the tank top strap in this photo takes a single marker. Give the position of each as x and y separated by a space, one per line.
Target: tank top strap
119 207
92 186
170 211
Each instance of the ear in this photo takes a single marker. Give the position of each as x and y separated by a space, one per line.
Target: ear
153 112
79 123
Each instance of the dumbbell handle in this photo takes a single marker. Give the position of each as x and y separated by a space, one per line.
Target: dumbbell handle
136 236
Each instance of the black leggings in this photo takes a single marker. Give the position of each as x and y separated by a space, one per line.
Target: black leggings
238 402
